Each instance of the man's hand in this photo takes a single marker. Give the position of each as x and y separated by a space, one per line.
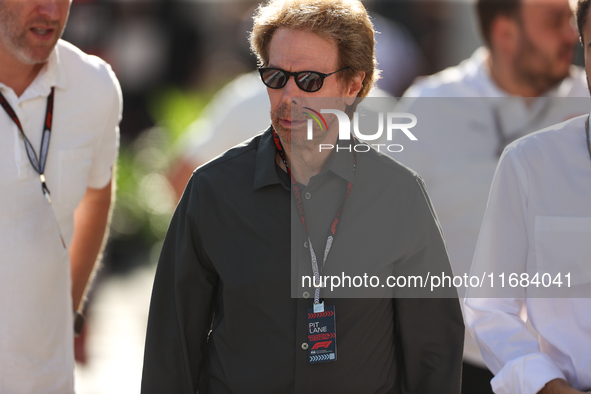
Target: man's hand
90 224
558 386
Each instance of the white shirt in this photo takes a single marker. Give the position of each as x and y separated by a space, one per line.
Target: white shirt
459 144
36 333
538 219
236 113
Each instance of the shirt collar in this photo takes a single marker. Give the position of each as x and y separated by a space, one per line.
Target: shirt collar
340 163
51 74
264 166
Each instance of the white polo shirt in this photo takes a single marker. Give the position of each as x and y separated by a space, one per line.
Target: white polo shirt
459 143
538 220
36 333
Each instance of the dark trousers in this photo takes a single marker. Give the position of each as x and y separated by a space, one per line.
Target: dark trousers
476 380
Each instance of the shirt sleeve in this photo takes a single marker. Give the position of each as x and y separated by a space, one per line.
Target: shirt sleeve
106 151
429 331
509 349
181 308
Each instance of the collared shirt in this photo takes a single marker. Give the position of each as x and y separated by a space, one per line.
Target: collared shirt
36 354
464 122
227 255
538 219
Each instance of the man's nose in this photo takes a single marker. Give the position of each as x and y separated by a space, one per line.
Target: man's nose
290 91
50 9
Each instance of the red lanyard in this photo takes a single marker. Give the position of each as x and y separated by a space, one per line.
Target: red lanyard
300 206
37 163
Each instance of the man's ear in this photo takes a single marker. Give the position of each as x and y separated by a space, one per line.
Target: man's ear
353 87
504 35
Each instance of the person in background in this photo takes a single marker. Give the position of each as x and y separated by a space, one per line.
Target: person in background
59 120
538 221
516 84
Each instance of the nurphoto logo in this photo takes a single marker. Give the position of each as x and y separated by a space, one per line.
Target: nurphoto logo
345 129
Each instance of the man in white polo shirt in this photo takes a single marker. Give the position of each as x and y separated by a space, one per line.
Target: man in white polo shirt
58 143
520 82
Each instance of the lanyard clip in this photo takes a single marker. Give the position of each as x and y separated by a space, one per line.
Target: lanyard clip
318 308
44 188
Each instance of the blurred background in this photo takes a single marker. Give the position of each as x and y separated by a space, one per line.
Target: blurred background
171 57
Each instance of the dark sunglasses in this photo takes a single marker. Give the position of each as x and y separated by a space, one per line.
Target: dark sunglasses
308 81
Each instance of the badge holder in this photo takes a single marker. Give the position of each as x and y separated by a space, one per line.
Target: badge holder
322 337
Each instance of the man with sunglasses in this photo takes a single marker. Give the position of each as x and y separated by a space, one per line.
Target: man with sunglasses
222 317
59 135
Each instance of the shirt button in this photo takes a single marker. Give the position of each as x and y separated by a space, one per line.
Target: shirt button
308 195
305 346
306 244
306 294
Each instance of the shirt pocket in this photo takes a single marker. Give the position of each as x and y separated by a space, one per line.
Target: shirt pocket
73 169
563 246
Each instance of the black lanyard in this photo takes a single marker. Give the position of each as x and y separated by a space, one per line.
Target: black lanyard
37 163
300 206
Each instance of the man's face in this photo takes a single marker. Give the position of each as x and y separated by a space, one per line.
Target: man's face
546 42
297 50
29 29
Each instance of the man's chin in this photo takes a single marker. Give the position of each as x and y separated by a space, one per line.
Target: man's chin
546 81
35 56
32 53
562 66
557 79
291 135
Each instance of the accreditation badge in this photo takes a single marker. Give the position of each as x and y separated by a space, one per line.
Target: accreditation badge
322 337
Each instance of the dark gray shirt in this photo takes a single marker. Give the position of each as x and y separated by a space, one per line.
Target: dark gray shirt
232 262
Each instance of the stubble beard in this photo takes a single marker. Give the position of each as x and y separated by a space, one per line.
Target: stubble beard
298 135
540 81
293 135
14 38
